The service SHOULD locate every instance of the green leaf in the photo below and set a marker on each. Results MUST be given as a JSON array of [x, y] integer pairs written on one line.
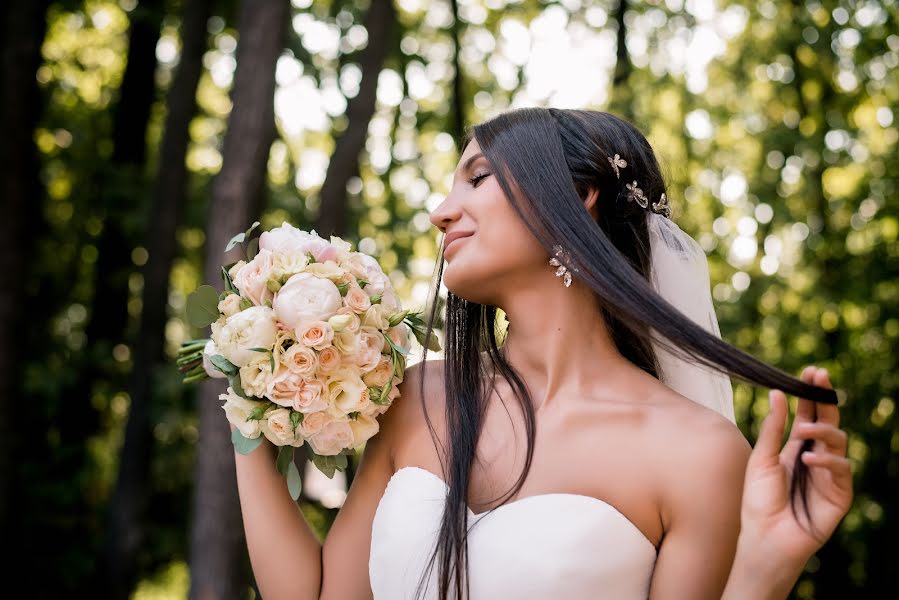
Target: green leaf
[[340, 461], [325, 464], [343, 288], [242, 444], [203, 306], [294, 483], [296, 418], [285, 457], [252, 248], [229, 285], [234, 380], [237, 239], [223, 364], [271, 355], [258, 412], [250, 230]]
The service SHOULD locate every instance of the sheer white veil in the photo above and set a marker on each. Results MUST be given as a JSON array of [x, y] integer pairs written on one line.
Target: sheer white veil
[[680, 274]]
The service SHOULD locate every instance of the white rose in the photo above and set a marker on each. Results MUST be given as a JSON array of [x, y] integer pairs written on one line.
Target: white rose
[[286, 239], [306, 298], [211, 350], [363, 427], [335, 436], [327, 270], [237, 409], [277, 427], [251, 328], [255, 377], [252, 279], [230, 306]]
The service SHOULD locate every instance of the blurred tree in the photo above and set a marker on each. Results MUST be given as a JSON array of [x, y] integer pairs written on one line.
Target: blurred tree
[[217, 546], [22, 29], [127, 509], [379, 24]]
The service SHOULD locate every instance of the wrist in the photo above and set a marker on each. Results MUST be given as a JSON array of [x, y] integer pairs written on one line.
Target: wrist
[[759, 572]]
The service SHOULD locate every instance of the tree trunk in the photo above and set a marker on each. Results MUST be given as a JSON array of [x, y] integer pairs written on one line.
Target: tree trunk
[[23, 32], [345, 160], [620, 93], [217, 548], [125, 530]]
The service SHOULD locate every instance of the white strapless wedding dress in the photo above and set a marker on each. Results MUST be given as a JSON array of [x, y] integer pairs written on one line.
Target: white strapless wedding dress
[[548, 546]]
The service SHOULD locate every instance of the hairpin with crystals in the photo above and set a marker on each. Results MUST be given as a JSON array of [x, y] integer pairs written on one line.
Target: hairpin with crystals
[[617, 162], [635, 194]]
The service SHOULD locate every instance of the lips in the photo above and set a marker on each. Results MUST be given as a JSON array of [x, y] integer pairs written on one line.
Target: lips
[[455, 235]]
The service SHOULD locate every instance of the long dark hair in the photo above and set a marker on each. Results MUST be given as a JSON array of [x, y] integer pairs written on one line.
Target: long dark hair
[[546, 160]]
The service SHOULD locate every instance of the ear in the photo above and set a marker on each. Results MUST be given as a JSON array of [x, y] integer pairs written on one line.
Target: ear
[[590, 202]]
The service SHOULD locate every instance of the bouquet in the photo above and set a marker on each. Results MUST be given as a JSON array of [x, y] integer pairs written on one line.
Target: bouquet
[[312, 340]]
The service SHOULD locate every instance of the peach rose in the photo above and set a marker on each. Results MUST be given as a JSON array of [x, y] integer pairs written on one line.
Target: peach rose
[[381, 374], [346, 391], [317, 334], [300, 360], [276, 426], [252, 277], [357, 300], [329, 359], [335, 436], [313, 423]]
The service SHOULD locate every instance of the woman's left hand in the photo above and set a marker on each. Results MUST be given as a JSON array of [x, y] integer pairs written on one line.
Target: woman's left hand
[[767, 512]]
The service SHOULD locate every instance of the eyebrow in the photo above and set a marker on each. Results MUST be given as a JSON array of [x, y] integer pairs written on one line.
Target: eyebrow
[[470, 160]]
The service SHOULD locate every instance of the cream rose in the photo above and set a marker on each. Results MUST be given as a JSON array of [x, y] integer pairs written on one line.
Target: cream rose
[[363, 427], [347, 342], [230, 305], [381, 374], [329, 359], [232, 272], [237, 410], [276, 426], [327, 270], [286, 265], [357, 300], [346, 391], [374, 317], [255, 377], [305, 298], [313, 423], [336, 435], [317, 334], [354, 323], [210, 349], [253, 327], [251, 279], [300, 360]]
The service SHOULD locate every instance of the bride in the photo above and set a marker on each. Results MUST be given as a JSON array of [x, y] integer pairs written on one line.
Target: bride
[[618, 472]]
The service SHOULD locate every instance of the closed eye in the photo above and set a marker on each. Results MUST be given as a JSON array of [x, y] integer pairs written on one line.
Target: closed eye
[[477, 178]]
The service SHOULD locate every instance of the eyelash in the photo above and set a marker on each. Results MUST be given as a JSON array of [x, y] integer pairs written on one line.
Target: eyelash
[[473, 181]]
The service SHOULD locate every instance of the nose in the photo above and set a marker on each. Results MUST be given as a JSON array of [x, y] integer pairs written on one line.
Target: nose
[[446, 212]]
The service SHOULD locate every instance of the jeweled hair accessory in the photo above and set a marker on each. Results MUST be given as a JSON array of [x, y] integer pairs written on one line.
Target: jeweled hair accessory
[[635, 194]]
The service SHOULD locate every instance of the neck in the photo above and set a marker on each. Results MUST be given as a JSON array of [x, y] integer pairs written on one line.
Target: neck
[[557, 339]]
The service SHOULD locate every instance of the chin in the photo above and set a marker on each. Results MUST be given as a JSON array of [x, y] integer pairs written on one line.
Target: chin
[[467, 283]]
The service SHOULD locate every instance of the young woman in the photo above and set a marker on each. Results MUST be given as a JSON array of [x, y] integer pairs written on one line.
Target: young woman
[[615, 476]]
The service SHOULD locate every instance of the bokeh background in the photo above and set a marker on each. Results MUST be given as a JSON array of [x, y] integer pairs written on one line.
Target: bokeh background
[[139, 135]]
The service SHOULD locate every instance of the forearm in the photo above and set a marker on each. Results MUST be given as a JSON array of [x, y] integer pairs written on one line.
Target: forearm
[[285, 554], [759, 575]]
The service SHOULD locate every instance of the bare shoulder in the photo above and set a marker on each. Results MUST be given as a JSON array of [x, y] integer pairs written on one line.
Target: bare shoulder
[[421, 388], [699, 447]]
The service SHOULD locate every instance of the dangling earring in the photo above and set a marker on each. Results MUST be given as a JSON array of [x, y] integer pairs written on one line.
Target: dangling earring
[[561, 270]]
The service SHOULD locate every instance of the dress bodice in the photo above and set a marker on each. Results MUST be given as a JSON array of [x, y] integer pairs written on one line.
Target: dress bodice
[[558, 545]]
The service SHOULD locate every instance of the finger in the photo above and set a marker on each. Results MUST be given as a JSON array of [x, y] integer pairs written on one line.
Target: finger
[[826, 413], [805, 409], [767, 446], [834, 438], [840, 468]]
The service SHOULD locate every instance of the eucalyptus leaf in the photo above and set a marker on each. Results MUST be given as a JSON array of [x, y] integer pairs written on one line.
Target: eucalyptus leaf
[[252, 248], [234, 380], [237, 239], [203, 306], [285, 458], [242, 444], [223, 364], [294, 483]]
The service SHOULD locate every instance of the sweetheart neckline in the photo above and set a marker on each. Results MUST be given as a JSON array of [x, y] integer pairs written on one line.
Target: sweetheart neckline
[[533, 497]]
